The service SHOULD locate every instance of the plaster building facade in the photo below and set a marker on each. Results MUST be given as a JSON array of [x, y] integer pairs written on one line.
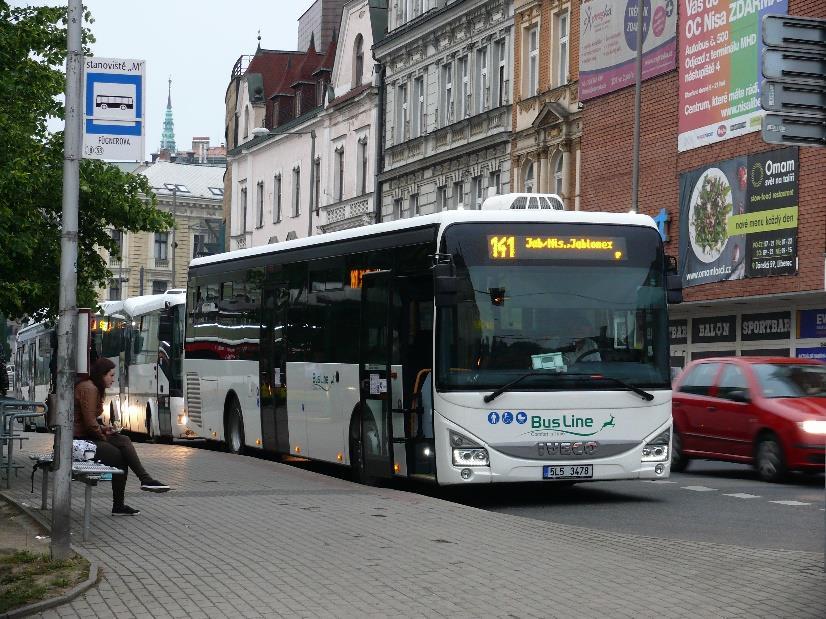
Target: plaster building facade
[[152, 262], [308, 163], [447, 90], [547, 123]]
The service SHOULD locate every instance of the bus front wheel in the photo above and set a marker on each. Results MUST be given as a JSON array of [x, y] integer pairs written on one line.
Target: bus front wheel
[[234, 428]]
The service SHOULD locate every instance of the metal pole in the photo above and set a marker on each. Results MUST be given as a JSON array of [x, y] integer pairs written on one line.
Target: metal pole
[[62, 498], [174, 222], [312, 182], [635, 174]]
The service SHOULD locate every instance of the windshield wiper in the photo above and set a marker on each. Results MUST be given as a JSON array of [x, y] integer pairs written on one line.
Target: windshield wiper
[[640, 392]]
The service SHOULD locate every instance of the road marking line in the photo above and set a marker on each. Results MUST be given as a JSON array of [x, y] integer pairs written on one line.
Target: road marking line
[[790, 502], [743, 495], [660, 481], [700, 488]]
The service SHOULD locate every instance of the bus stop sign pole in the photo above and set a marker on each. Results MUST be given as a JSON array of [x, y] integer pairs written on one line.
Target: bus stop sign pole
[[67, 323]]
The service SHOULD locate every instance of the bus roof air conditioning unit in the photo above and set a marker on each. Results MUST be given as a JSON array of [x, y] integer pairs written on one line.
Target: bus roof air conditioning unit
[[523, 201]]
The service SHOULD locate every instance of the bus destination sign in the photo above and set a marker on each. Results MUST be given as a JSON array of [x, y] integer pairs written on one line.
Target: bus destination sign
[[528, 247]]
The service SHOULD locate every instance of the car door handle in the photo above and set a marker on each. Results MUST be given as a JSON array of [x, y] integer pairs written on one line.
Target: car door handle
[[711, 408]]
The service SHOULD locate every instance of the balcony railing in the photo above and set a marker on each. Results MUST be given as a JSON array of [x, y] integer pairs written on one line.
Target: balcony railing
[[161, 263]]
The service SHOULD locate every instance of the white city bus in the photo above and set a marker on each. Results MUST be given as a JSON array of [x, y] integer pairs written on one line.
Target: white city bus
[[151, 392], [35, 361], [442, 347]]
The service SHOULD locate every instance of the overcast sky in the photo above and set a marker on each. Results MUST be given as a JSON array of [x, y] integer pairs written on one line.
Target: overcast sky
[[195, 41]]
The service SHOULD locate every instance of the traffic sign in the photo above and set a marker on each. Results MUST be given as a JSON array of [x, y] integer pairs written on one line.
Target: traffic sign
[[114, 118], [794, 65], [794, 130]]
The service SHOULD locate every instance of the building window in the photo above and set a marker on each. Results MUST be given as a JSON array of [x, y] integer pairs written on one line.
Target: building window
[[117, 254], [481, 83], [276, 199], [561, 47], [339, 188], [161, 248], [298, 102], [558, 176], [458, 195], [397, 208], [531, 82], [296, 192], [317, 183], [464, 88], [401, 113], [494, 182], [363, 166], [447, 94], [243, 210], [500, 73], [413, 205], [418, 107], [114, 289], [259, 204], [529, 180], [358, 62], [246, 122], [198, 241], [159, 286], [441, 198], [476, 192]]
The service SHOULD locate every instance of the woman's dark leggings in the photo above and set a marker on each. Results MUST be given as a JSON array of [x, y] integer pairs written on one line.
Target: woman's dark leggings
[[119, 452]]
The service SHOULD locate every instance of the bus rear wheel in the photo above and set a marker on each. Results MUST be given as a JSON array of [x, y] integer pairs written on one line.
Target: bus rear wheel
[[234, 429], [359, 474]]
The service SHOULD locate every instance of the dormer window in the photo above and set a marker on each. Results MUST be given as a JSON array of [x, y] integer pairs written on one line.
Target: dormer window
[[298, 102], [358, 61]]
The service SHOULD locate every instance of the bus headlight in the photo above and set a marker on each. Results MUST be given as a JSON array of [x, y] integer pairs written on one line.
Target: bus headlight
[[467, 452], [656, 450]]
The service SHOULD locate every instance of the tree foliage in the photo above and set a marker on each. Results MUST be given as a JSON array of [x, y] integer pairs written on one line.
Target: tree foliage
[[32, 80]]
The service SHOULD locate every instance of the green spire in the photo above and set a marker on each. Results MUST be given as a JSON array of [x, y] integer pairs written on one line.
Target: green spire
[[168, 137]]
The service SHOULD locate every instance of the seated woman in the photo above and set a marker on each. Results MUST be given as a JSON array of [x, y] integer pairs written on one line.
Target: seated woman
[[112, 449]]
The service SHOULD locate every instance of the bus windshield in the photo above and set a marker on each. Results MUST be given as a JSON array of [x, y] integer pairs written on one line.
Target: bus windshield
[[574, 305]]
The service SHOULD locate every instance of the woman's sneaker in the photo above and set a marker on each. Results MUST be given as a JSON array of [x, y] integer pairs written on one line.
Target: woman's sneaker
[[153, 485], [125, 510]]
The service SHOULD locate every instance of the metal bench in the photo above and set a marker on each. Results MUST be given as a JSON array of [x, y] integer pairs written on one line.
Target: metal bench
[[88, 473]]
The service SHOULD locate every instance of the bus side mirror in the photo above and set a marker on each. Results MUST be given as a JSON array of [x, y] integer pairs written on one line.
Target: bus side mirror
[[445, 285]]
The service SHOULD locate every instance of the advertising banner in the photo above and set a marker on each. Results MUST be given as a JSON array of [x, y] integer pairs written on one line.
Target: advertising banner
[[721, 50], [714, 329], [768, 326], [738, 218], [811, 323], [608, 43], [817, 352]]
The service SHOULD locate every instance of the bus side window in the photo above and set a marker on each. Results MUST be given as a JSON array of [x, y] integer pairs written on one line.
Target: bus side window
[[519, 203], [533, 203]]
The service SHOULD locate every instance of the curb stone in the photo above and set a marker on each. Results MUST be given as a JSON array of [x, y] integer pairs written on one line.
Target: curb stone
[[66, 597]]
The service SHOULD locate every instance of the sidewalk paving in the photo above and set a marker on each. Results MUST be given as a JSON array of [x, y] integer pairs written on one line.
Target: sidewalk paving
[[246, 537]]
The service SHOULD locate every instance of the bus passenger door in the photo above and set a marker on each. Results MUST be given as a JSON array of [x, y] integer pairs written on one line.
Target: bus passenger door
[[273, 370], [375, 375], [164, 370]]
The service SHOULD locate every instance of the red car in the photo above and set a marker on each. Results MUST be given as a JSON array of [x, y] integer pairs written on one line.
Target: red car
[[765, 411]]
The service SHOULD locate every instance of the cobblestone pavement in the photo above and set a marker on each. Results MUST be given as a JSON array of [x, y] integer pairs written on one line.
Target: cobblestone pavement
[[247, 537]]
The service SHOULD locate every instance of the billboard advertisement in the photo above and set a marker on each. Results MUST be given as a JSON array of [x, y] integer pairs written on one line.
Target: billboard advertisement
[[738, 218], [608, 43], [721, 49]]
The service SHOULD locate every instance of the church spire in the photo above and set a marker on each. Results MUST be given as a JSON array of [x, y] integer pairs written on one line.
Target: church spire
[[168, 136]]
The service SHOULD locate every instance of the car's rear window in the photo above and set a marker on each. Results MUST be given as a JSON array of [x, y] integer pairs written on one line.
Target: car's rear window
[[782, 380]]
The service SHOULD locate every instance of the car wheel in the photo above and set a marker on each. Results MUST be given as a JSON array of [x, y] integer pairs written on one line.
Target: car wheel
[[679, 461], [769, 460], [234, 429]]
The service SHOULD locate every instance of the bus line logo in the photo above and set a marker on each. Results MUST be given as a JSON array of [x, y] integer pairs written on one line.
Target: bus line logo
[[569, 424], [507, 417]]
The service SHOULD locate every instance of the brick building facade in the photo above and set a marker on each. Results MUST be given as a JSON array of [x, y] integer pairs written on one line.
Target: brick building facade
[[793, 300]]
